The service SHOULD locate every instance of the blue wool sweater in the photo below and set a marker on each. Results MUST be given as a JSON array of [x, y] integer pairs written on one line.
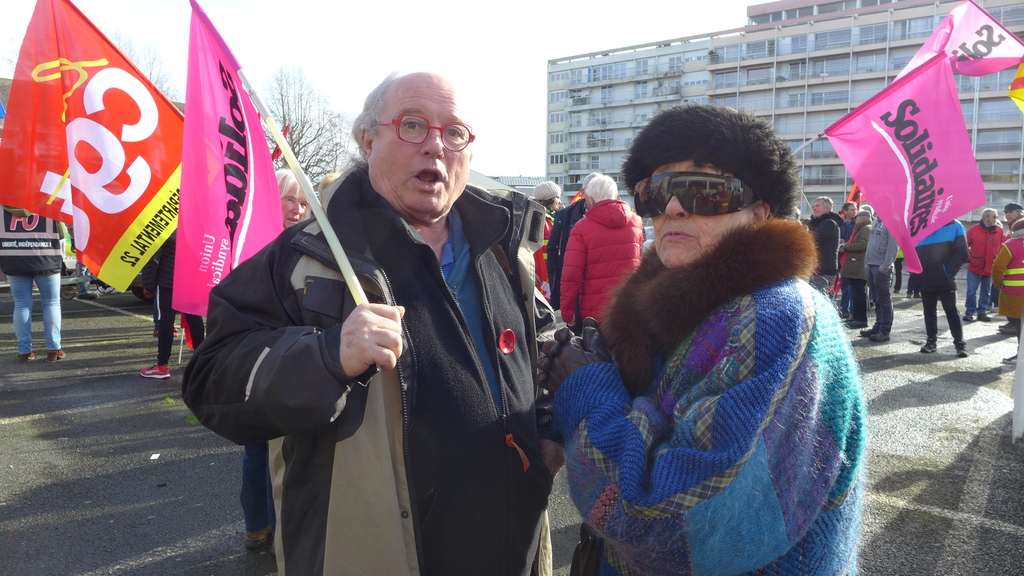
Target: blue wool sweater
[[743, 456]]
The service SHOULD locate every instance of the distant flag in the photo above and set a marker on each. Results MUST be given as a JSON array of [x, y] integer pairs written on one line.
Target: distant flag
[[909, 151], [854, 195], [577, 197], [230, 202], [277, 149], [91, 143], [978, 43], [1017, 88]]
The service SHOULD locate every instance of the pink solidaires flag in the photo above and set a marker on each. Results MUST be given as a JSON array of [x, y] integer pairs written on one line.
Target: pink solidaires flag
[[978, 43], [230, 202], [909, 152]]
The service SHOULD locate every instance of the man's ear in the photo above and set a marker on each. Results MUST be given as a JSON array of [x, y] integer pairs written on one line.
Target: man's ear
[[366, 139]]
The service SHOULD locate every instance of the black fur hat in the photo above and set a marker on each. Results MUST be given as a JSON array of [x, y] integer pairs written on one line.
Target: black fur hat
[[735, 142]]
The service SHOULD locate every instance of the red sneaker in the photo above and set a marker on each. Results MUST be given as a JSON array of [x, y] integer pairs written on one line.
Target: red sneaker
[[156, 371], [54, 355]]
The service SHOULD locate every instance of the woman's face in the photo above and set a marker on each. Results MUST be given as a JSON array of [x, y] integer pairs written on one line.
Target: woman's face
[[680, 238], [293, 206]]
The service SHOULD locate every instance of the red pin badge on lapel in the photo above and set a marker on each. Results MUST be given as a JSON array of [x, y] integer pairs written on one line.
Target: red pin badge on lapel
[[507, 341]]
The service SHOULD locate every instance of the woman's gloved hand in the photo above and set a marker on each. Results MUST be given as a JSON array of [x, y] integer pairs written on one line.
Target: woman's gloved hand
[[568, 353]]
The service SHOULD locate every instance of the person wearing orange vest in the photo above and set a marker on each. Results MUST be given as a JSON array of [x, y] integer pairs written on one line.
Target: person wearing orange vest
[[549, 195], [1008, 276]]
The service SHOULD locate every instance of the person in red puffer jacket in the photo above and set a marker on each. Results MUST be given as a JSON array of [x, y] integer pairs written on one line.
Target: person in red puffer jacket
[[984, 241], [604, 247]]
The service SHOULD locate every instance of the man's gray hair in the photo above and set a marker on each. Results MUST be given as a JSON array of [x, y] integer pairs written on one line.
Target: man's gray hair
[[826, 201], [589, 177], [368, 118], [601, 187]]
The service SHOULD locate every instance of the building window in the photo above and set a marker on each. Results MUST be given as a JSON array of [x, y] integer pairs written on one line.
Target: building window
[[913, 28], [832, 39], [556, 138], [556, 117], [998, 141], [799, 12], [998, 81], [794, 100], [759, 76], [1001, 110], [607, 95], [640, 90], [1008, 15], [872, 34], [575, 119], [601, 117], [577, 76], [675, 63], [792, 45], [837, 6], [836, 66], [999, 170], [761, 49], [554, 159], [558, 76], [870, 63], [726, 79], [831, 97], [556, 96], [968, 110], [641, 67]]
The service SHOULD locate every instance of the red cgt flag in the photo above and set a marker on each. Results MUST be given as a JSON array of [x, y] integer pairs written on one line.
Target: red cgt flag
[[91, 142]]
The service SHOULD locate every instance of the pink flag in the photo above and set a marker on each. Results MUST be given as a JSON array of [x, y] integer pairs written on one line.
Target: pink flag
[[979, 44], [230, 202], [908, 150]]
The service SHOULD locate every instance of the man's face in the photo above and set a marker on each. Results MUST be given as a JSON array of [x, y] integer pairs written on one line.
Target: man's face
[[421, 181], [989, 219], [850, 212], [819, 208], [1012, 215]]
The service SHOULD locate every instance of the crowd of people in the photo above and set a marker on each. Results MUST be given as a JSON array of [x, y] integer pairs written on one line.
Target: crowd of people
[[702, 396], [857, 244]]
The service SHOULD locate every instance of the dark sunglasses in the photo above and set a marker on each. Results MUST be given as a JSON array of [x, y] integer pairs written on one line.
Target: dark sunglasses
[[699, 193]]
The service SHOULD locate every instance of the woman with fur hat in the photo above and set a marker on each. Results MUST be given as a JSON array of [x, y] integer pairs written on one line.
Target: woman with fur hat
[[727, 435]]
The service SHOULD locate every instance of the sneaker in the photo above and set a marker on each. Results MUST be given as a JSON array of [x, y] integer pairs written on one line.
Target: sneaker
[[54, 355], [257, 540], [928, 347], [26, 357], [1007, 329], [854, 324], [984, 318], [108, 290], [869, 332], [1011, 360], [917, 296], [968, 317], [156, 371], [86, 296], [961, 351], [844, 316], [879, 337]]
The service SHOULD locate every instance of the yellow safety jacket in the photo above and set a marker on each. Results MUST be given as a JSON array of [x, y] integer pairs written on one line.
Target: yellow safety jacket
[[1013, 278]]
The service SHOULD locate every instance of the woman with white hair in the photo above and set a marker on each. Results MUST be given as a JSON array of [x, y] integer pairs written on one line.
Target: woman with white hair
[[603, 248], [294, 206]]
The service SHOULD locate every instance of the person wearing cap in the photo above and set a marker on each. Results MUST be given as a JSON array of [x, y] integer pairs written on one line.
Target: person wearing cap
[[722, 428], [878, 260], [854, 271], [549, 195]]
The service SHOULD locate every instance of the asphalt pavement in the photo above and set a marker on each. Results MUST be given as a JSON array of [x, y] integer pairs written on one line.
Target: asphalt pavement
[[104, 472]]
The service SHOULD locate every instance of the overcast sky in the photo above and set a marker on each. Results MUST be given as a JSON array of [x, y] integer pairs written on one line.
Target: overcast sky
[[495, 53]]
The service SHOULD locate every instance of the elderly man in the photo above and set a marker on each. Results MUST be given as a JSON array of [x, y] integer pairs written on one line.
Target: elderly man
[[412, 443], [826, 226], [984, 241]]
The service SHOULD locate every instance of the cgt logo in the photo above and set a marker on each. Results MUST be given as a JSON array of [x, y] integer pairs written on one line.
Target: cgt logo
[[111, 177]]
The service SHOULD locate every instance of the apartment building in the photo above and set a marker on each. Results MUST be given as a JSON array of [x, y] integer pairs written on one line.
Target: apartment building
[[799, 63]]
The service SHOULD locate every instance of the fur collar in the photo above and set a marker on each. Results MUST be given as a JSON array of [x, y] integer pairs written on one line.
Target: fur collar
[[656, 307]]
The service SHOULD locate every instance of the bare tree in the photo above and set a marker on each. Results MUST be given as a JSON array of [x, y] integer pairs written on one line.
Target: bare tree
[[316, 133], [151, 63]]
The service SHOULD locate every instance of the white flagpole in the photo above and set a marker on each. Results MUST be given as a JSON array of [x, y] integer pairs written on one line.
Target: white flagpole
[[314, 203]]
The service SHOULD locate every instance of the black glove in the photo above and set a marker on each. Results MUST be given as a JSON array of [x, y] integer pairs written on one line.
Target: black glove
[[567, 353]]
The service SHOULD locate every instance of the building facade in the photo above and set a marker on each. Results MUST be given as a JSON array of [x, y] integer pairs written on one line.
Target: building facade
[[798, 63]]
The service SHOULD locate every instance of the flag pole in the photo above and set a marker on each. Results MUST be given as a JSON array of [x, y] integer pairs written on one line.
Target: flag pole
[[314, 202], [797, 151]]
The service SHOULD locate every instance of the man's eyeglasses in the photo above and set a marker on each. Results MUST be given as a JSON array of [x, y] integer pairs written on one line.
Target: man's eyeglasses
[[414, 129], [699, 193]]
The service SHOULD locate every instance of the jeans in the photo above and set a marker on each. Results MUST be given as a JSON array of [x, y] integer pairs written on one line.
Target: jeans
[[165, 326], [883, 297], [897, 268], [948, 299], [845, 301], [257, 494], [858, 300], [83, 280], [912, 285], [978, 302], [49, 293]]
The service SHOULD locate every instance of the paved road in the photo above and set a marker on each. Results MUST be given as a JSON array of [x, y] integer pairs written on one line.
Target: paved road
[[102, 472]]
